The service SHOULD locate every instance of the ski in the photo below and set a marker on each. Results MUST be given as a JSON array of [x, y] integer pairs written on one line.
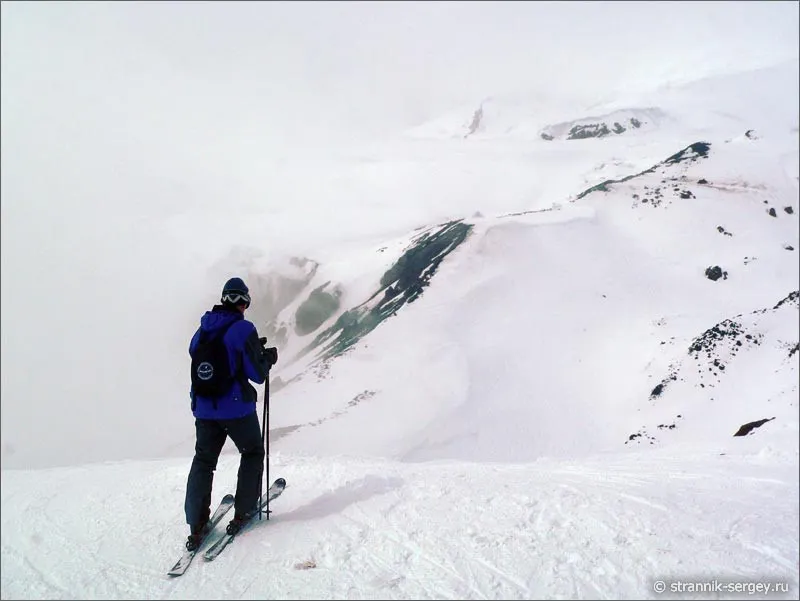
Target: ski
[[273, 493], [183, 563]]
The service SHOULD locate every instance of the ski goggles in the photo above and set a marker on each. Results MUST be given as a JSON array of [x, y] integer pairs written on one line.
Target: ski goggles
[[236, 298]]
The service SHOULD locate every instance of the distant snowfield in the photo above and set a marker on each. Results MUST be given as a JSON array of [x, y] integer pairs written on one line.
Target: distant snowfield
[[553, 417]]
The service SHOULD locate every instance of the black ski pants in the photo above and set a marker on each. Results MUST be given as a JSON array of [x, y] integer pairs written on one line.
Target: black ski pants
[[211, 435]]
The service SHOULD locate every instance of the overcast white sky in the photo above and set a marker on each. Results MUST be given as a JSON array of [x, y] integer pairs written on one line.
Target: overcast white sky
[[190, 99], [229, 80], [116, 115]]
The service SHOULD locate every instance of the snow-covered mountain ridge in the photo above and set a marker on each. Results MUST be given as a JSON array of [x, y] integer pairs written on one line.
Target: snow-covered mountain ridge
[[690, 196]]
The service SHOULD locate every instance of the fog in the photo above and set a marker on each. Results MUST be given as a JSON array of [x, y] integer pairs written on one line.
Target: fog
[[142, 141]]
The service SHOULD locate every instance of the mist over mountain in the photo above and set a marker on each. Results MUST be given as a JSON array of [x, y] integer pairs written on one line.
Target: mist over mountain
[[532, 271]]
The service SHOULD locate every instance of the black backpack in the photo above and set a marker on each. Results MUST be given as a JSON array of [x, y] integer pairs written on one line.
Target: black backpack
[[211, 374]]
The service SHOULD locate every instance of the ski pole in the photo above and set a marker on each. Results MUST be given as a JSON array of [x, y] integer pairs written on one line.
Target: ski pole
[[265, 441]]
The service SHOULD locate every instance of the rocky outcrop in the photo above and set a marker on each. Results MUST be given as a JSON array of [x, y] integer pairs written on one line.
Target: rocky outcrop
[[316, 309], [690, 154], [609, 125], [477, 119], [715, 273], [402, 283], [710, 356], [750, 426]]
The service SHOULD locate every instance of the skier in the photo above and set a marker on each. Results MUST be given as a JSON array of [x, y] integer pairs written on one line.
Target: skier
[[231, 413]]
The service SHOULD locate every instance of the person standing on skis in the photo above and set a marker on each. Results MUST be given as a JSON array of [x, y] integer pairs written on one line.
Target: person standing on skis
[[227, 354]]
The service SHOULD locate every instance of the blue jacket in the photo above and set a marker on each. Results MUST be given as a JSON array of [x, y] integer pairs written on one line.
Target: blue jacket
[[246, 360]]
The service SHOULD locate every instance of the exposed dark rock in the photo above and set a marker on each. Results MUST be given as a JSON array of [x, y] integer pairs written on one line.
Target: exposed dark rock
[[601, 187], [748, 427], [686, 194], [788, 247], [654, 197], [720, 344], [531, 212], [367, 394], [709, 339], [635, 122], [791, 298], [416, 266], [402, 283], [789, 210], [715, 273], [640, 437], [592, 130], [702, 181], [546, 136], [690, 153], [315, 310], [659, 389], [477, 117], [618, 129], [772, 212], [283, 290], [751, 134], [722, 231]]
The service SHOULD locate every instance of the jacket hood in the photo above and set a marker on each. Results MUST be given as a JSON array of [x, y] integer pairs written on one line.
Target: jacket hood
[[218, 318]]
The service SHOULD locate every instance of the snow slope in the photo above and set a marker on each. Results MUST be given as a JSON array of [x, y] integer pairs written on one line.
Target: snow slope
[[347, 527], [549, 417], [609, 288]]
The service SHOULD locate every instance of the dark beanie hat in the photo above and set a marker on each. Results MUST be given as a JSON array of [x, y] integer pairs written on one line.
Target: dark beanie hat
[[235, 285]]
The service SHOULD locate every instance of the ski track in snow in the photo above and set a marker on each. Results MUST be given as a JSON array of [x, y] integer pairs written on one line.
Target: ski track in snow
[[379, 529]]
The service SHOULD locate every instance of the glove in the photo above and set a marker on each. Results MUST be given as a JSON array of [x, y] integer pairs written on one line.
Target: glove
[[271, 355]]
